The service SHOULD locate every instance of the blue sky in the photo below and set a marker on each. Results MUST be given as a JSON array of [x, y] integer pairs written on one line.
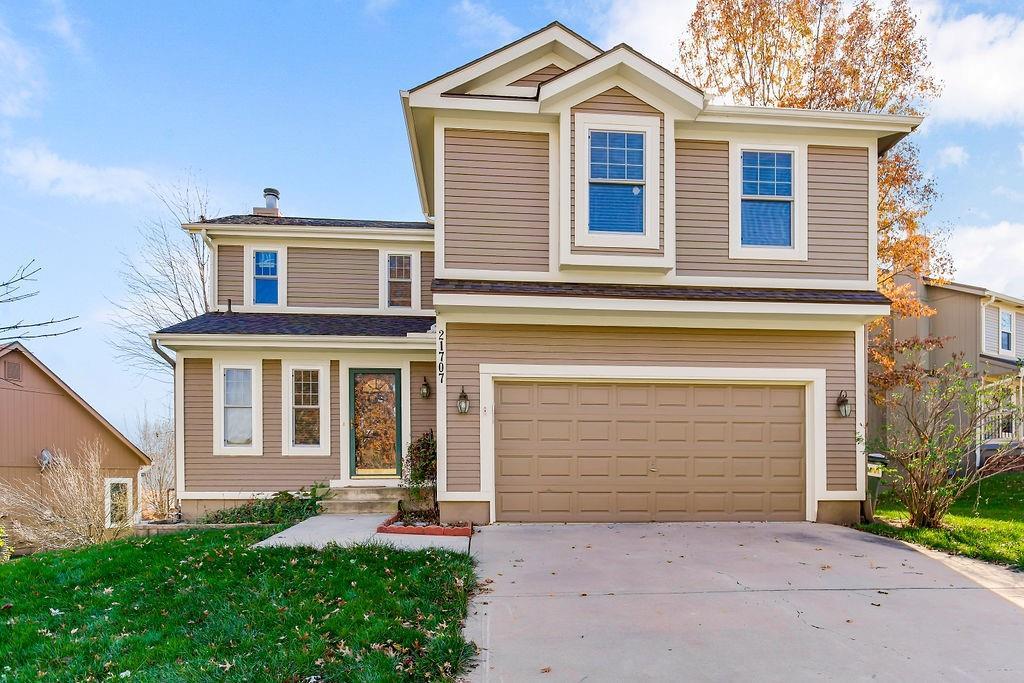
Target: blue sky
[[101, 100]]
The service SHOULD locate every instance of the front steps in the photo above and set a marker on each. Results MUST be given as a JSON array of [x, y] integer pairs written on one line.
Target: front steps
[[352, 500]]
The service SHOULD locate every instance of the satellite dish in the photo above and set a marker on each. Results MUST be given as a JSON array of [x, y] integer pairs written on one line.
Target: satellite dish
[[45, 458]]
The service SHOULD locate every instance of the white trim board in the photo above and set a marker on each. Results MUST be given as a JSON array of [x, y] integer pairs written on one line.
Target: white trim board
[[815, 422]]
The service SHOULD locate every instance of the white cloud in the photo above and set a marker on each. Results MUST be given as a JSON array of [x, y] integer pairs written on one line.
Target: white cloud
[[45, 172], [21, 80], [378, 6], [978, 57], [63, 26], [1020, 148], [953, 155], [990, 256], [477, 23], [654, 27], [1008, 193]]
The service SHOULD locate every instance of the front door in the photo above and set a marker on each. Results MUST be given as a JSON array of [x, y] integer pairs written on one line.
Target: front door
[[376, 419]]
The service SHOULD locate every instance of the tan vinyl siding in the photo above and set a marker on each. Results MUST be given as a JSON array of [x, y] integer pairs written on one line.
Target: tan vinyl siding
[[268, 472], [426, 280], [230, 274], [338, 278], [496, 200], [991, 329], [956, 318], [541, 75], [423, 413], [616, 101], [837, 215], [1018, 335], [469, 345]]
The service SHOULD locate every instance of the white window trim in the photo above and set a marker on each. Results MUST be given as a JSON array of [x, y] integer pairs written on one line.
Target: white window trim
[[248, 289], [737, 250], [256, 448], [1012, 351], [384, 274], [288, 447], [107, 481], [650, 126]]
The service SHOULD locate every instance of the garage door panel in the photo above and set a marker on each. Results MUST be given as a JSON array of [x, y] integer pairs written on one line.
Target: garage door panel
[[654, 451]]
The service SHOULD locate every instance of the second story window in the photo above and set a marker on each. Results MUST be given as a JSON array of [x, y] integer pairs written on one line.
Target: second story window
[[767, 199], [265, 277], [616, 190], [400, 280], [1006, 331]]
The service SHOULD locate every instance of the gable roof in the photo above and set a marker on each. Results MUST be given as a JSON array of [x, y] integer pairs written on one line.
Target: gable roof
[[18, 346], [977, 290]]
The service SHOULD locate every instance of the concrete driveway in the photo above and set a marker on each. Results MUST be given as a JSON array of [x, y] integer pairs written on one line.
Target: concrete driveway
[[731, 601]]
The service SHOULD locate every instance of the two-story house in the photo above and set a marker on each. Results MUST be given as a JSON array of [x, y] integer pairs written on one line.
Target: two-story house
[[625, 304]]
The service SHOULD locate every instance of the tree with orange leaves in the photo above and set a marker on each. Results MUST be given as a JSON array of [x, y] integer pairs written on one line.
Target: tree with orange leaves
[[810, 54]]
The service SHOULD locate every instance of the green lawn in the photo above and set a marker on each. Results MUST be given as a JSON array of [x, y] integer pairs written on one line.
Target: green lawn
[[204, 606], [989, 528]]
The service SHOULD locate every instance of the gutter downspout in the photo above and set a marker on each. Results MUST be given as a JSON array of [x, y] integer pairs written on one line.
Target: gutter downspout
[[160, 352]]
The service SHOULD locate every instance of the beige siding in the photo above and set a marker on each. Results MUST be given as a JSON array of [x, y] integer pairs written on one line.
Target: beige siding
[[957, 318], [268, 472], [423, 413], [426, 280], [837, 215], [539, 76], [230, 274], [616, 101], [342, 278], [469, 345], [496, 200], [991, 329]]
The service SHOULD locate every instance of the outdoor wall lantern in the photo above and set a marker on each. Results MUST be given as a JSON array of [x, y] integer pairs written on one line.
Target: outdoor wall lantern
[[463, 403], [424, 389], [843, 404]]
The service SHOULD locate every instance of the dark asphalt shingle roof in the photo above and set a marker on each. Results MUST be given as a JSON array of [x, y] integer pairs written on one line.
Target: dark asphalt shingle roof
[[681, 293], [304, 323], [249, 219]]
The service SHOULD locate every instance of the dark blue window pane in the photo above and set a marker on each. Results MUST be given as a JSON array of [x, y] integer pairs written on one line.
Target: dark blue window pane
[[783, 190], [616, 208], [617, 150], [766, 174], [616, 156], [766, 223], [783, 175], [750, 158], [617, 171], [599, 155], [772, 171], [635, 157], [598, 139], [598, 170], [749, 188], [784, 160], [265, 263], [634, 172], [617, 140], [635, 140], [750, 172], [265, 291]]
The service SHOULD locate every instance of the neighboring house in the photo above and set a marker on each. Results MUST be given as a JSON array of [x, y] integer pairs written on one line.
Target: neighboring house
[[981, 327], [626, 304], [40, 416]]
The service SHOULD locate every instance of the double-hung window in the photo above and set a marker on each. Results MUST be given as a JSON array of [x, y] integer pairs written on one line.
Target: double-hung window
[[237, 419], [264, 277], [117, 499], [617, 183], [305, 407], [400, 280], [766, 201], [1005, 331]]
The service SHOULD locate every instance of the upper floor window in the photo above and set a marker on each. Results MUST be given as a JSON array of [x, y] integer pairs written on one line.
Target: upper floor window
[[264, 277], [238, 422], [1006, 331], [616, 193], [400, 280], [767, 199]]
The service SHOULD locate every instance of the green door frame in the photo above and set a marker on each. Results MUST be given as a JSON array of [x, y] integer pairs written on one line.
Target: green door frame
[[352, 372]]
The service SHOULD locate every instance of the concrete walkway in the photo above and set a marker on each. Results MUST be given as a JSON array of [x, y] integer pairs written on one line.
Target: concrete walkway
[[319, 531], [713, 602]]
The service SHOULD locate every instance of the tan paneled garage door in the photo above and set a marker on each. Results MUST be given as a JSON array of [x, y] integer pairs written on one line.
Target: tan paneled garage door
[[588, 452]]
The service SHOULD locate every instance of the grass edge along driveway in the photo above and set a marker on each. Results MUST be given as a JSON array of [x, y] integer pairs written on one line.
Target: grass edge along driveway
[[204, 605], [987, 523]]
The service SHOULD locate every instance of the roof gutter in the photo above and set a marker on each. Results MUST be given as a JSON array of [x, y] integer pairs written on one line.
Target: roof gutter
[[163, 354]]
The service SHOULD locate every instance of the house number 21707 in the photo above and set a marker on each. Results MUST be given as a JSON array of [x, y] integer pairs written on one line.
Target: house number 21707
[[440, 356]]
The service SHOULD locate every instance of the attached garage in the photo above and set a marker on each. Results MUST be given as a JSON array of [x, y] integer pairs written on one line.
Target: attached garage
[[594, 451]]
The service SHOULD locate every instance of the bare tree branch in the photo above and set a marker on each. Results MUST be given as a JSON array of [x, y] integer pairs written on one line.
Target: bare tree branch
[[12, 291]]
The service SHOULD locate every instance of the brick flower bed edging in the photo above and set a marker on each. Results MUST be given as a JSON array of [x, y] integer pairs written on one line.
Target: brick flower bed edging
[[386, 527]]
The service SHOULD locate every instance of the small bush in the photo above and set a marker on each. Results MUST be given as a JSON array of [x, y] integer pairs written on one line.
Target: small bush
[[284, 507], [422, 459], [5, 546]]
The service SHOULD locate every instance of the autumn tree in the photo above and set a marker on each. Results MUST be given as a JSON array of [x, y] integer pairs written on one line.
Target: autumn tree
[[815, 54]]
